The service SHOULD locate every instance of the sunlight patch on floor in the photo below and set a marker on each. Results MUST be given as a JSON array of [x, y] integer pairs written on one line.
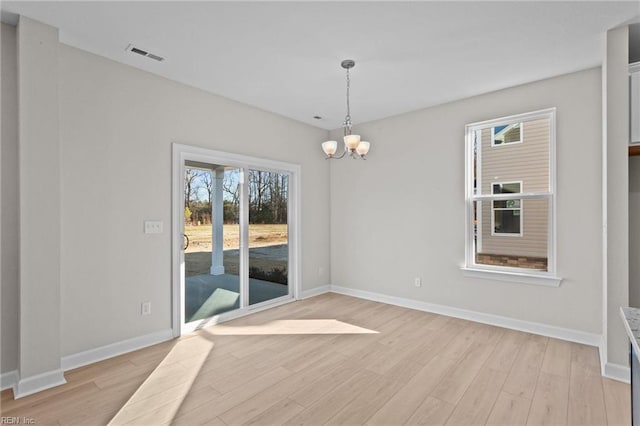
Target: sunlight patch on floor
[[300, 326], [159, 398]]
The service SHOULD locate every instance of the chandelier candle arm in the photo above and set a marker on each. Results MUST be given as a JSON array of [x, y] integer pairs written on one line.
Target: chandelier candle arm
[[352, 143]]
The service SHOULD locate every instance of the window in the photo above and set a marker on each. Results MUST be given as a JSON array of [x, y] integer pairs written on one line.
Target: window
[[506, 214], [510, 189], [506, 134]]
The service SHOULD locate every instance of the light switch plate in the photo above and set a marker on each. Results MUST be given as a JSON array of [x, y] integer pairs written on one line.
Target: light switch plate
[[152, 227]]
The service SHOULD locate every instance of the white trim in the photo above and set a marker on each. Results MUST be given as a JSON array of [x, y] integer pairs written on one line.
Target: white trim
[[38, 383], [470, 229], [570, 335], [478, 213], [8, 379], [294, 231], [552, 235], [634, 67], [177, 240], [604, 353], [523, 195], [315, 292], [182, 153], [90, 356], [617, 372], [515, 275], [243, 240]]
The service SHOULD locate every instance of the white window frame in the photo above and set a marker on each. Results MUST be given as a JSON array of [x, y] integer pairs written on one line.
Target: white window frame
[[244, 163], [493, 136], [493, 210], [505, 273]]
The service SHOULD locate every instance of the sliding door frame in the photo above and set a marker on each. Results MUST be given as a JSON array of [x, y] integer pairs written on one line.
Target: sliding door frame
[[182, 153]]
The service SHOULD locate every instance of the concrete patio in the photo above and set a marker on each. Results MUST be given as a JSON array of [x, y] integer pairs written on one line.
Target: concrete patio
[[208, 295]]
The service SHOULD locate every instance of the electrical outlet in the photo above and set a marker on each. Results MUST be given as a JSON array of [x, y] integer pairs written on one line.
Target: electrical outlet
[[145, 308], [152, 227], [417, 281]]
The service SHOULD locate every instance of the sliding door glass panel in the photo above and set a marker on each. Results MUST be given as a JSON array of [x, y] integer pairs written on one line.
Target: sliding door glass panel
[[268, 235], [212, 230]]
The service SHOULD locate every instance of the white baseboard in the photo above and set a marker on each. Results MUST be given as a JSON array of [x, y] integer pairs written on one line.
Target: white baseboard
[[305, 294], [618, 372], [70, 362], [37, 383], [40, 382], [500, 321], [8, 379]]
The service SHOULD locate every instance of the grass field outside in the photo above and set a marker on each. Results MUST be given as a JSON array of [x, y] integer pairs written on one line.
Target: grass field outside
[[260, 235], [198, 254]]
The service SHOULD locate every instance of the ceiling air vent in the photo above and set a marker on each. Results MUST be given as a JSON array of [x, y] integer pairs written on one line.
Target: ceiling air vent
[[143, 52]]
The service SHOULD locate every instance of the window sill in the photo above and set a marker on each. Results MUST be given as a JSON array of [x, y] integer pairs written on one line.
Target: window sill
[[514, 277]]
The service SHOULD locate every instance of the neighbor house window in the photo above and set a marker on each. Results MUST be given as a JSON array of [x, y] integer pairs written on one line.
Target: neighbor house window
[[506, 214], [505, 134], [511, 194]]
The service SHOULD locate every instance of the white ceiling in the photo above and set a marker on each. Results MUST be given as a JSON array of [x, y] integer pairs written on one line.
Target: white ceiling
[[285, 56]]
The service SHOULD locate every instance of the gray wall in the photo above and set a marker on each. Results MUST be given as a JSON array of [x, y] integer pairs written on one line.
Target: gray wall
[[116, 127], [10, 202], [401, 213], [117, 124], [616, 224], [39, 171]]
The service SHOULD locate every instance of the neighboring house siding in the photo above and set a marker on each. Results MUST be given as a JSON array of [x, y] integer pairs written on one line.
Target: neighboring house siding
[[527, 162]]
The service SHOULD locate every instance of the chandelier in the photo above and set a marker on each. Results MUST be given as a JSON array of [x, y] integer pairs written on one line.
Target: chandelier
[[352, 143]]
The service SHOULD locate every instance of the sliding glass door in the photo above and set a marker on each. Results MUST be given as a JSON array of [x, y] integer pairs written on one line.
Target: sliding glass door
[[268, 235], [235, 242], [212, 240]]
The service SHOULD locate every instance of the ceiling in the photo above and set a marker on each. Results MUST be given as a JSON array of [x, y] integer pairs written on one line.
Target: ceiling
[[285, 57]]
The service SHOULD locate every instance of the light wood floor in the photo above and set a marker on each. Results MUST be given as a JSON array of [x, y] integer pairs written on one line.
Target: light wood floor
[[334, 359]]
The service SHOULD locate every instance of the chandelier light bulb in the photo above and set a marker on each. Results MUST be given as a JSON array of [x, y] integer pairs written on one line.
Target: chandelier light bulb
[[363, 148], [352, 141], [330, 148]]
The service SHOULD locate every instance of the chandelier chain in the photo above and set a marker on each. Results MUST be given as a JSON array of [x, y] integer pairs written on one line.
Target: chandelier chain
[[347, 118]]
